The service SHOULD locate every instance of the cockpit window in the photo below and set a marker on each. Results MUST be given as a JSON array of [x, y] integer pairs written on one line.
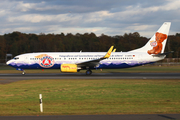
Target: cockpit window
[[16, 58]]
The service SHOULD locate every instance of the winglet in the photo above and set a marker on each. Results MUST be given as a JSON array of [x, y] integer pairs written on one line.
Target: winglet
[[114, 50], [108, 54]]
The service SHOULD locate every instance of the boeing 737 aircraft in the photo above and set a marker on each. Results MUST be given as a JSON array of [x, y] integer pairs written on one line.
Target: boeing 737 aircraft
[[75, 61]]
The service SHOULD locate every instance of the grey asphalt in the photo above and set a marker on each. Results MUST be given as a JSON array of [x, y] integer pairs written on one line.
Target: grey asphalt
[[7, 78]]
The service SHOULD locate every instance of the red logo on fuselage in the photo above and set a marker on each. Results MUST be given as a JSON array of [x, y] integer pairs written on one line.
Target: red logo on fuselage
[[46, 62]]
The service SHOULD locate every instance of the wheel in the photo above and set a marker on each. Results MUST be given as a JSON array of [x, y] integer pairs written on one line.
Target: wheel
[[23, 73], [88, 72]]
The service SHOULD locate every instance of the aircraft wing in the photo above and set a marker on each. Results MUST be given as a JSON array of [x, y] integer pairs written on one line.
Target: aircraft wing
[[93, 63]]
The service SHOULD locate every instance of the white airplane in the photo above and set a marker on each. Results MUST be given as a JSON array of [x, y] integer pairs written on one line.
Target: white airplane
[[75, 61]]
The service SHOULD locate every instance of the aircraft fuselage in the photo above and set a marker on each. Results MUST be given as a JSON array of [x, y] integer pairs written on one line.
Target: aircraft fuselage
[[54, 60]]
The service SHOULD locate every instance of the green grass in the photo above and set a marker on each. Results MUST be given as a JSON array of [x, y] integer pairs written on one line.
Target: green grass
[[83, 97], [146, 68]]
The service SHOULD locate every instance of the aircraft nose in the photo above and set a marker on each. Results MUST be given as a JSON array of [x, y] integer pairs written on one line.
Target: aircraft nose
[[8, 62]]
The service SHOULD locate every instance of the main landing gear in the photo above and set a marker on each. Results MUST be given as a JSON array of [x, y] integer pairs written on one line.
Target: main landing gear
[[88, 72]]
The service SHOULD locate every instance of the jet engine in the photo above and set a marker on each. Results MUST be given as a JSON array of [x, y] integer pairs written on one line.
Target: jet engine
[[69, 68]]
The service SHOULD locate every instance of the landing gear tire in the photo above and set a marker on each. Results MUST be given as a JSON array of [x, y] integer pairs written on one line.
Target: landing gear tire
[[23, 73], [88, 72]]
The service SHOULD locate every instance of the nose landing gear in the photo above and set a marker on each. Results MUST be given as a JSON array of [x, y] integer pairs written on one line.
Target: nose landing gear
[[23, 72]]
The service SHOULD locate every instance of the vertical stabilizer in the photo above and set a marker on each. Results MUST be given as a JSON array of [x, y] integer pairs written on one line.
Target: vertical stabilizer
[[157, 43]]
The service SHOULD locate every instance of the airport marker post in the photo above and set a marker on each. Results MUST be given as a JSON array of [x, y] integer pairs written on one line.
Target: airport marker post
[[40, 101]]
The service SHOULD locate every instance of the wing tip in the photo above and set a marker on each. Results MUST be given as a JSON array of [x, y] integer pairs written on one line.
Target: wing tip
[[108, 54]]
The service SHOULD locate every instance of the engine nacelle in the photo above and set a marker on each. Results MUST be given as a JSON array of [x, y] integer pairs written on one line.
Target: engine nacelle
[[69, 68]]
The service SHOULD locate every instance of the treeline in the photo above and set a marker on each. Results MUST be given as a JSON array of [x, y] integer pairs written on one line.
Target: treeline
[[18, 43]]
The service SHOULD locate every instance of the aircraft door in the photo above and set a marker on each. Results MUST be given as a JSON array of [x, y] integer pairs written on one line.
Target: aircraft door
[[26, 59], [140, 56]]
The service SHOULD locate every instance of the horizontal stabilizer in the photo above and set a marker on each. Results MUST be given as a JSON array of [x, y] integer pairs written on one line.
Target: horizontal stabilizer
[[166, 53]]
